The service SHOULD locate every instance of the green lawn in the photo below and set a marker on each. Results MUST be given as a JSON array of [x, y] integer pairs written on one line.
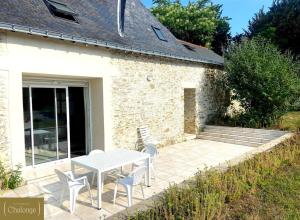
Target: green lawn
[[264, 187], [290, 121]]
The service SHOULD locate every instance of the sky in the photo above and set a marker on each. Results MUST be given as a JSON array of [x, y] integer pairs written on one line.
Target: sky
[[240, 11]]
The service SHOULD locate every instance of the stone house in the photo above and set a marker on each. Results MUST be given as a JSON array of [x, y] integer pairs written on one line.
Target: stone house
[[77, 75]]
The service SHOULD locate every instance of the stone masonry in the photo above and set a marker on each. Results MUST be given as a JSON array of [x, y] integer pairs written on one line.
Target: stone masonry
[[4, 145], [5, 152], [149, 91]]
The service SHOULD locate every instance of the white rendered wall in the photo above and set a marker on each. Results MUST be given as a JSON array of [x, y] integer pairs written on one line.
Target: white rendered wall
[[22, 55]]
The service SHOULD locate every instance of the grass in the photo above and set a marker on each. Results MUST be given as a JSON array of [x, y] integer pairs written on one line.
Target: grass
[[290, 121], [264, 187], [276, 197]]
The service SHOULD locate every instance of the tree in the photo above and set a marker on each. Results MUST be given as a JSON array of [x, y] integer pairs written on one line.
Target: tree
[[280, 24], [221, 36], [199, 22], [262, 79]]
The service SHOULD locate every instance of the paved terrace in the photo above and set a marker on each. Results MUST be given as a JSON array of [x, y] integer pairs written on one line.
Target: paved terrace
[[174, 164]]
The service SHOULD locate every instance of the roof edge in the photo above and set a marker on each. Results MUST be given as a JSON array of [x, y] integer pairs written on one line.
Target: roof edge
[[95, 42]]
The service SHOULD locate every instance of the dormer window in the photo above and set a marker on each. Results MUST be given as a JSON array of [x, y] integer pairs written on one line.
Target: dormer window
[[189, 47], [61, 10], [159, 34]]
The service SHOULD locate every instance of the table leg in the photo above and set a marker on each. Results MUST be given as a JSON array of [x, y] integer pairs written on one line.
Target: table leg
[[99, 190], [148, 177]]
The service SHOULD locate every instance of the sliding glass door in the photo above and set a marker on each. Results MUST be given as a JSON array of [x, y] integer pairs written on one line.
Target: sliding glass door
[[54, 126], [62, 123], [77, 121], [44, 125]]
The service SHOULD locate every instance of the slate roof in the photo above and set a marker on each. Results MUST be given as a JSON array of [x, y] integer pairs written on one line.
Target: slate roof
[[97, 25]]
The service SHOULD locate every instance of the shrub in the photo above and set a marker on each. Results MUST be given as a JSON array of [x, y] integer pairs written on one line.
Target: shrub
[[15, 178], [296, 105], [10, 179], [264, 81]]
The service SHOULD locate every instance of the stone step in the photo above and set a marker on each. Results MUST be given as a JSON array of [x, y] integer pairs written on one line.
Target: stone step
[[250, 134], [242, 136], [230, 141], [221, 133], [250, 131], [237, 135], [242, 128]]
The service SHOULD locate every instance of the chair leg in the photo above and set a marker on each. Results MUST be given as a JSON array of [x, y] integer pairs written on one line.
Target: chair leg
[[115, 192], [129, 195], [90, 193], [74, 201], [71, 202], [142, 191], [62, 196]]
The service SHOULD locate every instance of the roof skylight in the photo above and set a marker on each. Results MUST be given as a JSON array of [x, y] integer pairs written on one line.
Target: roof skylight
[[189, 47], [61, 10], [159, 34]]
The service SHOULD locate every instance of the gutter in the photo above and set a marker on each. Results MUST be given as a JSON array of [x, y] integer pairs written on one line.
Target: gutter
[[94, 42]]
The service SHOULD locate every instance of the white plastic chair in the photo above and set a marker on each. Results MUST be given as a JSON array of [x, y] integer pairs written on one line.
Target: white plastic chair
[[69, 183], [152, 150], [145, 136], [136, 177]]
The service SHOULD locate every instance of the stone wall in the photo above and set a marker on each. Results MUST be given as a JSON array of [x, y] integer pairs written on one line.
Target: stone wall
[[189, 111], [150, 91], [5, 151]]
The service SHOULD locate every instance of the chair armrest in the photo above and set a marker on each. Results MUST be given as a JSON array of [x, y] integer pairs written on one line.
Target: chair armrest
[[70, 174], [83, 179]]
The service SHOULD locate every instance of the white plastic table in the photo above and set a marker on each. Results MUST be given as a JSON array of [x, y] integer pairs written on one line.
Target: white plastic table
[[110, 160]]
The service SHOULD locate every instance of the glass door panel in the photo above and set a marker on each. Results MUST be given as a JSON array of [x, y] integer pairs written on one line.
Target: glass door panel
[[77, 121], [62, 123], [44, 125]]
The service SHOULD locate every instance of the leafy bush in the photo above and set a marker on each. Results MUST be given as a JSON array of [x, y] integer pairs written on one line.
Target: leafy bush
[[10, 179], [15, 178], [264, 81], [296, 105], [210, 194]]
